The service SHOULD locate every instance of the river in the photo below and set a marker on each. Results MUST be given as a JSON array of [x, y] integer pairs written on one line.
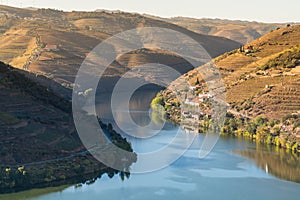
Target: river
[[235, 169]]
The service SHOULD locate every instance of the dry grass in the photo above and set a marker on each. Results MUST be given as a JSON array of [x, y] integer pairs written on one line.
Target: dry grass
[[80, 33], [19, 61], [253, 87], [283, 99], [272, 93], [14, 43], [240, 31]]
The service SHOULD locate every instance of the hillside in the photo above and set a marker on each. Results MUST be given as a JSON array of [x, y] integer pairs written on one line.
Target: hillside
[[39, 142], [262, 81], [55, 43], [240, 31]]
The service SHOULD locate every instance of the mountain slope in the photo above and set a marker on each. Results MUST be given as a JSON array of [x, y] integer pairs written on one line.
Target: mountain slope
[[55, 43], [262, 81], [264, 68], [39, 143], [240, 31]]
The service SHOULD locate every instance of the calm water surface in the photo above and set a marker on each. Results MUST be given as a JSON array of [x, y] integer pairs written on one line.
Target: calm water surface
[[235, 169]]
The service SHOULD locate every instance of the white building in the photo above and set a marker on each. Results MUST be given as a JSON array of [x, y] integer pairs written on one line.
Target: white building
[[192, 102], [204, 97]]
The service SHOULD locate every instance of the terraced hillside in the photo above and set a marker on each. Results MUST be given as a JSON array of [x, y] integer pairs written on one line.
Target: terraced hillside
[[55, 43], [272, 73], [262, 81], [38, 140], [265, 72]]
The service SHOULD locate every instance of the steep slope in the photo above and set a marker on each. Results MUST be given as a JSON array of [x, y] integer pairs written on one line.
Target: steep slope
[[55, 43], [263, 69], [271, 69], [262, 82], [39, 142]]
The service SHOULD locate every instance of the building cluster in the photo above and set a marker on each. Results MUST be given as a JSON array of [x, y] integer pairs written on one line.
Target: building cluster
[[191, 115], [196, 101]]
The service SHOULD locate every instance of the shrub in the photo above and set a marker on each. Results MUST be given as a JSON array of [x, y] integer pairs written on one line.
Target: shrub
[[288, 59]]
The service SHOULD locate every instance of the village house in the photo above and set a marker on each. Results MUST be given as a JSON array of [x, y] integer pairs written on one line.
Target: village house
[[192, 101], [204, 97], [200, 99], [196, 87], [191, 88]]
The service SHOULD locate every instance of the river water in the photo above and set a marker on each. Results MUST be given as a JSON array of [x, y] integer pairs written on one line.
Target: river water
[[235, 169]]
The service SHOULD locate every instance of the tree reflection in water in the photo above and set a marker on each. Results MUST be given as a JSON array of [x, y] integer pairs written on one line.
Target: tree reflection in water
[[277, 161]]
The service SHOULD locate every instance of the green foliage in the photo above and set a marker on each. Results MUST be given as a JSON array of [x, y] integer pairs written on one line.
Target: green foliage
[[87, 92], [295, 147], [159, 114], [159, 109], [262, 134], [68, 145], [115, 137], [49, 135], [259, 121], [8, 119], [245, 105], [50, 170], [158, 100], [251, 128], [287, 59], [262, 130], [197, 81]]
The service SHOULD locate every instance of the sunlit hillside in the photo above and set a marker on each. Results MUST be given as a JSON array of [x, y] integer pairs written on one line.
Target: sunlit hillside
[[55, 43]]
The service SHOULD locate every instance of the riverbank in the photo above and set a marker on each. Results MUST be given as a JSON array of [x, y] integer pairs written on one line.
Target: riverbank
[[189, 177], [67, 172], [76, 168], [39, 144], [282, 133]]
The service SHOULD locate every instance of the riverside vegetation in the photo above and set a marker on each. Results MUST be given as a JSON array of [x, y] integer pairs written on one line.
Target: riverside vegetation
[[39, 143], [262, 81]]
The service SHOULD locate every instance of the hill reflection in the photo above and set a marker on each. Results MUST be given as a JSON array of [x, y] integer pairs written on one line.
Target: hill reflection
[[278, 162]]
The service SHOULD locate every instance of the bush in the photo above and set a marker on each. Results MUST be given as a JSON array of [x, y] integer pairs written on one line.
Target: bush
[[288, 59], [158, 100]]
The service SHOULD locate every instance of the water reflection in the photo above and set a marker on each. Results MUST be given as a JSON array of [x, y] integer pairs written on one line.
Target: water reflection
[[272, 160], [32, 193], [222, 174], [139, 103], [191, 178], [276, 161]]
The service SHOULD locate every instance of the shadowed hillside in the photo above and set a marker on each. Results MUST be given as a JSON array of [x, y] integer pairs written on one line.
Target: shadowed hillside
[[39, 142]]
